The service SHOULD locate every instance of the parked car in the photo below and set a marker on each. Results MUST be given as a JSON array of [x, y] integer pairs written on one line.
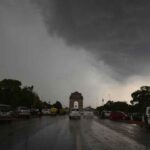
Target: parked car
[[74, 114], [136, 116], [118, 115], [105, 114], [5, 113], [53, 111], [45, 111], [34, 111], [147, 117], [23, 112]]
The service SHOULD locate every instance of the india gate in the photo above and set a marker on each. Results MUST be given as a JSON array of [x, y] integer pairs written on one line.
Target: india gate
[[76, 101]]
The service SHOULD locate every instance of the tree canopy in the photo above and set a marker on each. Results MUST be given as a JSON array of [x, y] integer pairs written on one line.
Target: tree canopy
[[57, 105], [141, 98], [13, 94], [115, 106]]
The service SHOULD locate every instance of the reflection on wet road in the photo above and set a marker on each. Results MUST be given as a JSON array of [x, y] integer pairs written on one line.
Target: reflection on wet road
[[55, 133]]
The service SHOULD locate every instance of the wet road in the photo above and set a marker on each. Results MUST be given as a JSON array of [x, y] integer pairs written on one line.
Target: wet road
[[60, 133]]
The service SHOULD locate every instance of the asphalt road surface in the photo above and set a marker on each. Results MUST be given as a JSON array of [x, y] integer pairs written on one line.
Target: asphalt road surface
[[60, 133]]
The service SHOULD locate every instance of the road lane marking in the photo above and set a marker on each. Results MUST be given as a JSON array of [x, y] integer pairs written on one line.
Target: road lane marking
[[78, 141]]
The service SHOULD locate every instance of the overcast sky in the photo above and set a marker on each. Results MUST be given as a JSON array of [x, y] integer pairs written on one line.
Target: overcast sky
[[100, 48]]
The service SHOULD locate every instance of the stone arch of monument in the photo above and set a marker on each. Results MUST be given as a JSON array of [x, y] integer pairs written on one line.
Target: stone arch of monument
[[76, 100]]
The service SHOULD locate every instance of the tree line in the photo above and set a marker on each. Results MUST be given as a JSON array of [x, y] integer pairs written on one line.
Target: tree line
[[13, 93], [140, 100]]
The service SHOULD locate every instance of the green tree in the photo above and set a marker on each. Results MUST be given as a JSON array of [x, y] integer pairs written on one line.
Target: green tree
[[115, 106], [13, 94], [10, 91], [27, 97], [141, 98], [46, 105], [57, 105]]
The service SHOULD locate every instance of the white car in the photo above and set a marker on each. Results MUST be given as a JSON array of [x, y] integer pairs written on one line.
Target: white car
[[46, 111], [23, 112], [5, 113], [105, 114], [75, 114], [88, 114]]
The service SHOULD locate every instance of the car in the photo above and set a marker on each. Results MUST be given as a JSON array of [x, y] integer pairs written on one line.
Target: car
[[75, 114], [118, 115], [34, 111], [105, 114], [46, 111], [147, 117], [53, 111], [5, 113], [88, 114], [23, 112]]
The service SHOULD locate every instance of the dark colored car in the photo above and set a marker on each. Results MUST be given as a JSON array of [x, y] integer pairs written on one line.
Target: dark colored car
[[118, 116]]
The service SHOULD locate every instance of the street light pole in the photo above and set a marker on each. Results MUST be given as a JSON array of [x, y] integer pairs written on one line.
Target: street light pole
[[102, 101]]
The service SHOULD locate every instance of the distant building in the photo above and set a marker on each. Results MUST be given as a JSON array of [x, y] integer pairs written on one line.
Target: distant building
[[76, 101]]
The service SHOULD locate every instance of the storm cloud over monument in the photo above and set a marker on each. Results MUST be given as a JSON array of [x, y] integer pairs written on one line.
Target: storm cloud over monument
[[97, 47], [117, 32]]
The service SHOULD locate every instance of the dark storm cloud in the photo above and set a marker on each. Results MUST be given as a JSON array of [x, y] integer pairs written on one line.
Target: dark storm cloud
[[116, 31]]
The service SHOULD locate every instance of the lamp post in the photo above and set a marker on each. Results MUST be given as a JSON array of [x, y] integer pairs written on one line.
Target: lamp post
[[102, 101]]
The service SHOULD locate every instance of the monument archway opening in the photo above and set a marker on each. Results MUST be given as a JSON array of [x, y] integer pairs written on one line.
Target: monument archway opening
[[76, 105], [76, 101]]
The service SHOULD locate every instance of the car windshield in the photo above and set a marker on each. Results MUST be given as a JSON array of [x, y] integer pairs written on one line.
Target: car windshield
[[74, 74]]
